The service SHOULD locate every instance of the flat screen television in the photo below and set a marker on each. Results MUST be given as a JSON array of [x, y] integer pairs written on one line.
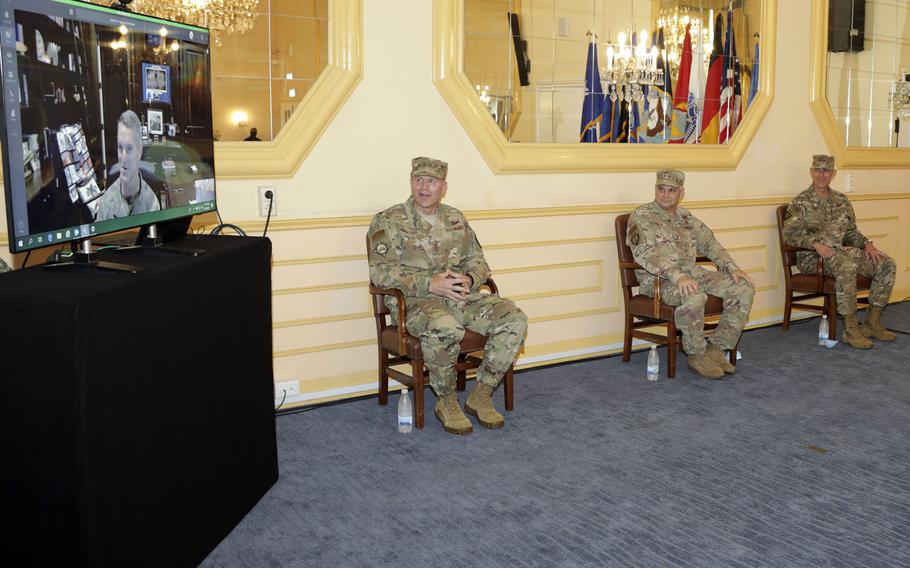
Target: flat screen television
[[107, 121]]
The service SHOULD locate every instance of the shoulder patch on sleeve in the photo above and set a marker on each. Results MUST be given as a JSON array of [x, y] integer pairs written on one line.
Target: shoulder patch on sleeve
[[788, 214], [634, 236]]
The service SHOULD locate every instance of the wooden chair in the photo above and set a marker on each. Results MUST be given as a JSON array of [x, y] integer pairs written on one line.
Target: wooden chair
[[645, 311], [397, 346], [801, 287]]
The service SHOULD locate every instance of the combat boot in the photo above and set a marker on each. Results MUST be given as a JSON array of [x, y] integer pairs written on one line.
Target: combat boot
[[716, 355], [873, 327], [853, 335], [480, 404], [449, 413], [705, 367]]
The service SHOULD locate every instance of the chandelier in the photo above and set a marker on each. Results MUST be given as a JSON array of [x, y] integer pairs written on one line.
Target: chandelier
[[674, 19], [219, 16], [900, 97], [629, 67]]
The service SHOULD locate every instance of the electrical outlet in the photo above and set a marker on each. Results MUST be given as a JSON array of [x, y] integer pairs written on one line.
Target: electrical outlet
[[284, 389], [264, 200]]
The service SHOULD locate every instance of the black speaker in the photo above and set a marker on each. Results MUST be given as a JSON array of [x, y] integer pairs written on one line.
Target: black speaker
[[846, 25], [521, 51]]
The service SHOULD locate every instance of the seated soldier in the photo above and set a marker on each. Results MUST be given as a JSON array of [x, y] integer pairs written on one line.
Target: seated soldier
[[429, 252], [822, 220], [665, 240]]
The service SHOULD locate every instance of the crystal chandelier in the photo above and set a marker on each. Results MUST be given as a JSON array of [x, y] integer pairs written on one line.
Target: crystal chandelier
[[900, 97], [674, 19], [630, 67], [220, 16]]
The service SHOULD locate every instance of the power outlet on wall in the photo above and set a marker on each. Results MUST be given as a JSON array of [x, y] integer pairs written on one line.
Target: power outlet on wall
[[264, 200], [285, 389]]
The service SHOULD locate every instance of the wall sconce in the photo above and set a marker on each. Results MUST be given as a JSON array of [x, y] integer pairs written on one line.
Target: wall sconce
[[240, 118]]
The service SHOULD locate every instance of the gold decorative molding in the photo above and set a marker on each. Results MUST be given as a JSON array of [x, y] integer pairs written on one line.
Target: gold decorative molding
[[845, 156], [509, 157], [281, 157]]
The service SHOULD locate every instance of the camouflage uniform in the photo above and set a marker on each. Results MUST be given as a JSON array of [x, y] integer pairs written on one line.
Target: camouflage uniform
[[832, 222], [406, 251], [666, 245], [3, 266]]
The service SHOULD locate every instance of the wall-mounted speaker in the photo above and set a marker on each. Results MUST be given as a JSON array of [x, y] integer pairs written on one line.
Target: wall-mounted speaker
[[846, 25]]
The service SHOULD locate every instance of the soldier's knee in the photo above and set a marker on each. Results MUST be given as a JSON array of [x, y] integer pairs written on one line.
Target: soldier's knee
[[446, 329], [697, 299]]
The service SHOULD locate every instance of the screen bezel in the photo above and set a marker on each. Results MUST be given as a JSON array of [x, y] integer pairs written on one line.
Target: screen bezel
[[138, 24]]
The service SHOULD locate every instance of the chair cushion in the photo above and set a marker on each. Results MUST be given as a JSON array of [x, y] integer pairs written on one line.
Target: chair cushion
[[807, 283], [641, 305], [470, 342]]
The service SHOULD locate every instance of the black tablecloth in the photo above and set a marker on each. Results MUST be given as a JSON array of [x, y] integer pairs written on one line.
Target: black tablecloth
[[136, 410]]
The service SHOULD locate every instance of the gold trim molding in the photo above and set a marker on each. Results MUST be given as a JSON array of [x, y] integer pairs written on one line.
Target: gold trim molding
[[846, 156], [280, 158], [511, 157]]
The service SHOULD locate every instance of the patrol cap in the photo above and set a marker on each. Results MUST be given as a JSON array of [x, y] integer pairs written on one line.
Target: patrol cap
[[822, 162], [423, 166], [672, 178]]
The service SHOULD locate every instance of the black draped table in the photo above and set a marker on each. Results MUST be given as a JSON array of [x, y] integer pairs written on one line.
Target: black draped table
[[136, 410]]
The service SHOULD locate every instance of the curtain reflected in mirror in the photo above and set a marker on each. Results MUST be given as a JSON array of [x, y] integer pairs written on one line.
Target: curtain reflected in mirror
[[614, 71], [868, 71]]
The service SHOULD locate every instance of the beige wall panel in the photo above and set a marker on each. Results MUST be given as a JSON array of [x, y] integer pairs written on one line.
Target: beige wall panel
[[289, 339], [313, 243], [305, 274], [319, 301]]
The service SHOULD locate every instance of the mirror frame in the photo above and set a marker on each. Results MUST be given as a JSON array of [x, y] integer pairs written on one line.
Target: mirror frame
[[280, 158], [512, 157], [845, 156]]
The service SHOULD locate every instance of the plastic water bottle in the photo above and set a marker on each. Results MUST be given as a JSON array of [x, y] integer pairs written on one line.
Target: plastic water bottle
[[823, 330], [405, 412], [653, 364]]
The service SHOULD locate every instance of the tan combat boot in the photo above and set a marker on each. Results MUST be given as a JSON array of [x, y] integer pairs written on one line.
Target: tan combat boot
[[873, 327], [853, 334], [705, 367], [480, 404], [716, 355], [449, 413]]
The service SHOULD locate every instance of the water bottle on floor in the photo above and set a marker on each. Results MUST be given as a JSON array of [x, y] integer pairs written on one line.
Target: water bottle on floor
[[823, 330], [653, 364], [405, 412]]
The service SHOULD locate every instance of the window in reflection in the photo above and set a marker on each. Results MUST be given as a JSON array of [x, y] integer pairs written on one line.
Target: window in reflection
[[868, 77], [614, 71]]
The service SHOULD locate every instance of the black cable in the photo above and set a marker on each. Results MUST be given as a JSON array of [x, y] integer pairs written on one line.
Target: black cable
[[268, 216], [24, 262], [217, 230], [284, 397]]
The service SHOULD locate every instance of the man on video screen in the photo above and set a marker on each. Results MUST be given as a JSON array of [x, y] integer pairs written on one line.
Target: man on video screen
[[129, 194]]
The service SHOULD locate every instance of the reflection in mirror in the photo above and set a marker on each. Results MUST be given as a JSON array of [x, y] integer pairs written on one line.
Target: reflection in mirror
[[617, 71], [265, 56], [868, 71]]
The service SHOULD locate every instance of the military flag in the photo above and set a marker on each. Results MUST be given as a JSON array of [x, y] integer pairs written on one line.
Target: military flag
[[711, 109], [592, 107], [685, 100], [659, 100], [753, 83], [731, 93], [615, 126]]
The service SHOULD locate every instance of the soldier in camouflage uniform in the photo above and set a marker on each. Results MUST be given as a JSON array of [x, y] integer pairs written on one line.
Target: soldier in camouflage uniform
[[822, 219], [429, 252], [665, 240]]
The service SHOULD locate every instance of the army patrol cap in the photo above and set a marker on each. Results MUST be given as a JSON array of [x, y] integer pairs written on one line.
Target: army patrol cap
[[671, 178], [822, 162], [424, 166]]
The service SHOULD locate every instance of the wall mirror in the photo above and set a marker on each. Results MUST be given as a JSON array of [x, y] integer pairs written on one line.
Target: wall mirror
[[861, 79], [549, 84], [272, 62]]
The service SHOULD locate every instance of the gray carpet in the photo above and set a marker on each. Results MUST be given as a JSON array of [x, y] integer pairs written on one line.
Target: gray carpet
[[801, 459]]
